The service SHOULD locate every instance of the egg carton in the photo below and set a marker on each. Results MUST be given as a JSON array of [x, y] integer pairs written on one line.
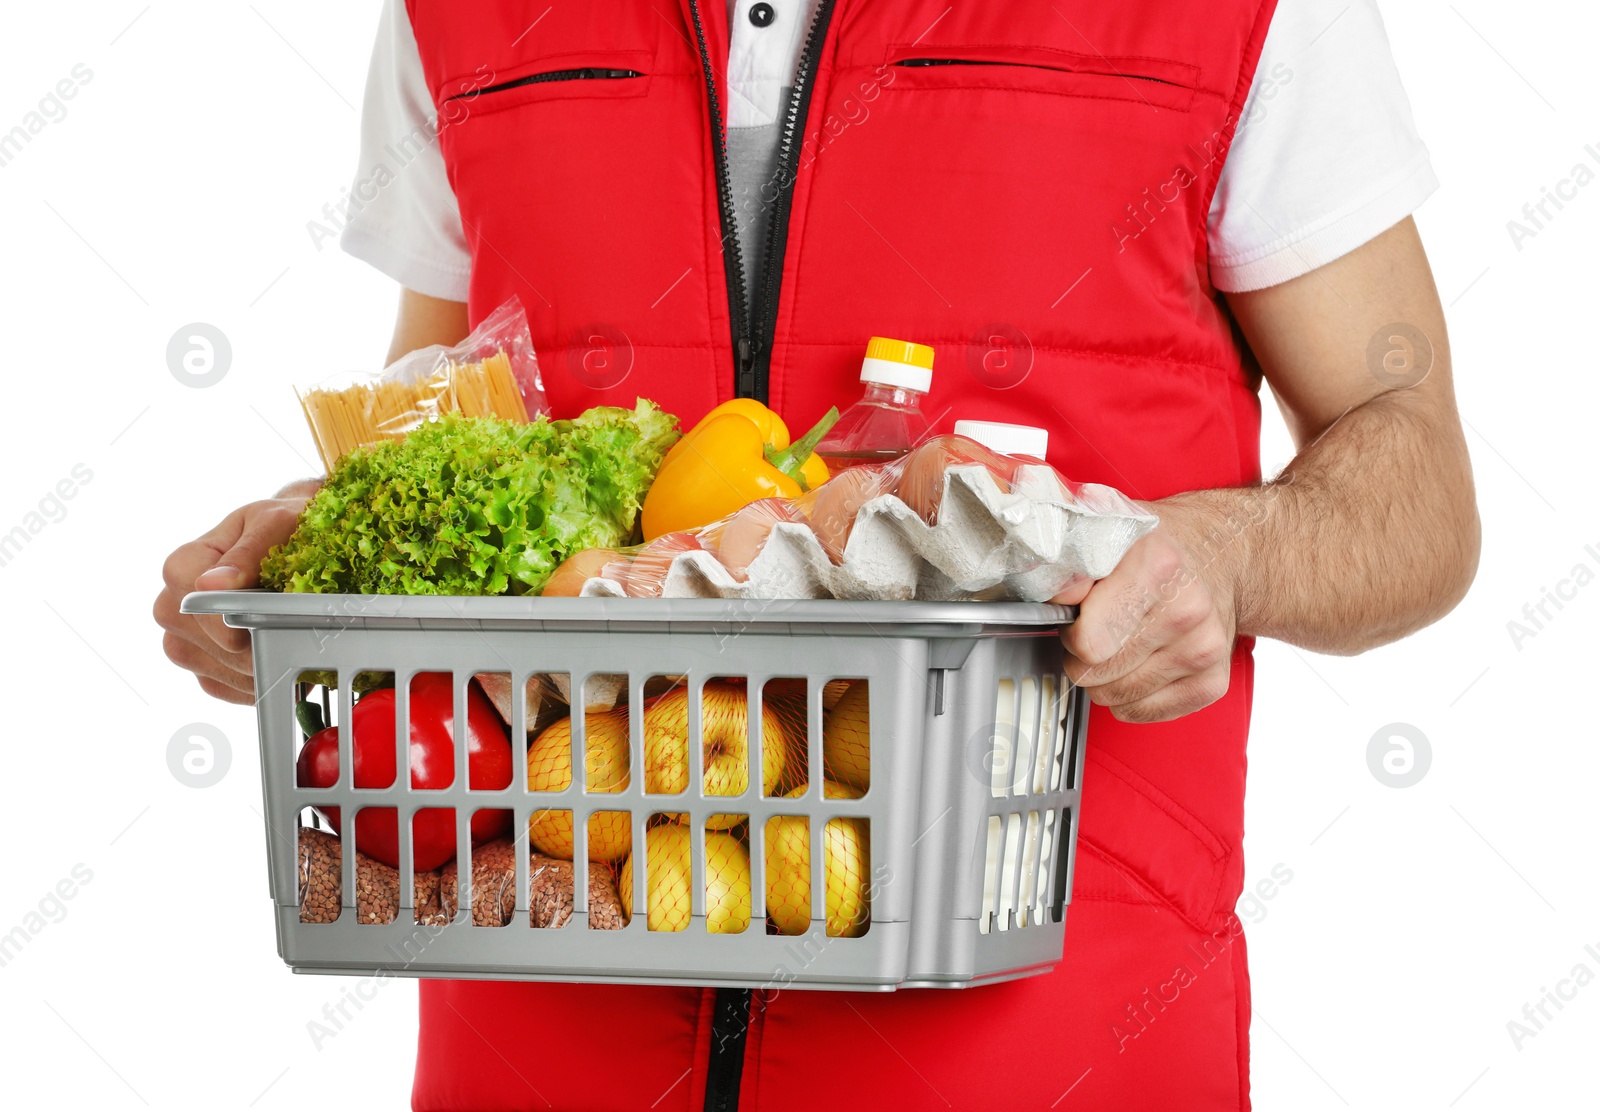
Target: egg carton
[[988, 544]]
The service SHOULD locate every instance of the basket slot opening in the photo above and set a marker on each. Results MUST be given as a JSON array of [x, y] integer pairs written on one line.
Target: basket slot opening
[[1010, 863], [1047, 732], [610, 841], [607, 747], [1074, 722], [786, 702], [1004, 740], [787, 860], [1028, 880], [1056, 709], [731, 730], [1062, 872], [847, 735], [1028, 736], [322, 890], [728, 891], [1041, 871], [662, 887], [667, 718], [495, 688], [847, 876], [991, 874]]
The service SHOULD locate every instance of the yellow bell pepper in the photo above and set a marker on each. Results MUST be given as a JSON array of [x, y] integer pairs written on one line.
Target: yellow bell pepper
[[738, 453], [813, 469]]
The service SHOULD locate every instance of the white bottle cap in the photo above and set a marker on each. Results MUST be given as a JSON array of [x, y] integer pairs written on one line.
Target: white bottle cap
[[1009, 440], [903, 376]]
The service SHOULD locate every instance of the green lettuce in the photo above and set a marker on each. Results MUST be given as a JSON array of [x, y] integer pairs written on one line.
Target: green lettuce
[[474, 505]]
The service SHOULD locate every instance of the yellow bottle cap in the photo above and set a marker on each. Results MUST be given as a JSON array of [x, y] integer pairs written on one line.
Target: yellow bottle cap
[[900, 351], [898, 363]]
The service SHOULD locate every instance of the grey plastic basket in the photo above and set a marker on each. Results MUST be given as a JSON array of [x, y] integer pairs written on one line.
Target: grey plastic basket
[[976, 757]]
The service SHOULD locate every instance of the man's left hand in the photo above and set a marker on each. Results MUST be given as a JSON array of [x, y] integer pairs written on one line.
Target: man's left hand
[[1154, 639]]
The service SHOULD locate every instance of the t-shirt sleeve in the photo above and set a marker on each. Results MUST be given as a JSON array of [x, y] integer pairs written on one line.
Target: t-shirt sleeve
[[1326, 157], [403, 217]]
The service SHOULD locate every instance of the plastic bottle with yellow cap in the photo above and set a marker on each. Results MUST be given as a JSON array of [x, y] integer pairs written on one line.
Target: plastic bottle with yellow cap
[[888, 421]]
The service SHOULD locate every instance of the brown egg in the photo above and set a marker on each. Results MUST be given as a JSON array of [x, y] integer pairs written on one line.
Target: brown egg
[[738, 540], [568, 579], [922, 473], [832, 506], [645, 573]]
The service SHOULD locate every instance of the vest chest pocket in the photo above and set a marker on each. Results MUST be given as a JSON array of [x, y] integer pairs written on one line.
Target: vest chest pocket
[[588, 75], [1157, 82]]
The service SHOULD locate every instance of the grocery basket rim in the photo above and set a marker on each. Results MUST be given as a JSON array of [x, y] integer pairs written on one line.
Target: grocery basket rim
[[243, 607]]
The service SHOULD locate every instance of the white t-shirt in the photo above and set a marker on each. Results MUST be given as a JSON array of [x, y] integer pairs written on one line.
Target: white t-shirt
[[1326, 157]]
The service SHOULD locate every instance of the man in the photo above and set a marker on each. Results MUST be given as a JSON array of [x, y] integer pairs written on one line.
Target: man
[[1112, 220]]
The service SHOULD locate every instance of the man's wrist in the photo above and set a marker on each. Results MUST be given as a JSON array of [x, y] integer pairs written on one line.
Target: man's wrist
[[1220, 533]]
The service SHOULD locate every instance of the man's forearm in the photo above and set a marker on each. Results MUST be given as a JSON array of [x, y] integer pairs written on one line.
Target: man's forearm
[[1368, 535]]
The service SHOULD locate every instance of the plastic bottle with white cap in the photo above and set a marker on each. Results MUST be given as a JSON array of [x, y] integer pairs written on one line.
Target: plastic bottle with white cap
[[1008, 440], [887, 422]]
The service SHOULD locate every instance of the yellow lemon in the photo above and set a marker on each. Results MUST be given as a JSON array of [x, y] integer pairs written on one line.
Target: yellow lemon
[[845, 844], [667, 849], [726, 740], [605, 767], [846, 749]]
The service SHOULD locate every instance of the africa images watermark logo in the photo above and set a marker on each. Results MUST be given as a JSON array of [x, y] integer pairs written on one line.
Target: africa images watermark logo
[[51, 509], [1144, 1012], [1536, 616], [1537, 216], [51, 908], [1536, 1016], [51, 109]]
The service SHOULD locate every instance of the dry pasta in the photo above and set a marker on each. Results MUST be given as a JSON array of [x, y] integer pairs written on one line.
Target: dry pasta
[[367, 413]]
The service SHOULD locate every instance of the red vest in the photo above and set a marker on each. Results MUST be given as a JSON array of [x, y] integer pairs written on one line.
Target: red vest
[[1035, 210]]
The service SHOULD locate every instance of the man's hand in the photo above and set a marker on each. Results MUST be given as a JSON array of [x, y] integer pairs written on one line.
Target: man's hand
[[226, 558], [1154, 639], [229, 557]]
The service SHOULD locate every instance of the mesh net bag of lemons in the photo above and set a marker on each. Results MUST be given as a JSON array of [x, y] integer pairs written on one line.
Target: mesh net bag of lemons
[[669, 843]]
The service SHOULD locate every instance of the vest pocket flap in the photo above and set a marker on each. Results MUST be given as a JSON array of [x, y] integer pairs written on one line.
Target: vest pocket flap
[[610, 73], [1158, 82], [1144, 838]]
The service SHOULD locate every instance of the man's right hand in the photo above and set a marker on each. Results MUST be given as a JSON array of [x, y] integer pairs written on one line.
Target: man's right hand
[[226, 558]]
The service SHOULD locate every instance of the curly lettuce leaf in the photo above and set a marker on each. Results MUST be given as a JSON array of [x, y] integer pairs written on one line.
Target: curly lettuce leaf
[[474, 505]]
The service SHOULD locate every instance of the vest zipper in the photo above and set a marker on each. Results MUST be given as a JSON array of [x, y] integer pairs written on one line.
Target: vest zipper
[[732, 264], [752, 340], [778, 227], [730, 1023], [730, 1013], [588, 74]]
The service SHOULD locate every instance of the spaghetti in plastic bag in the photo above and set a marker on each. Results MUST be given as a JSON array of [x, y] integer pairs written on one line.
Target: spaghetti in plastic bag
[[493, 372]]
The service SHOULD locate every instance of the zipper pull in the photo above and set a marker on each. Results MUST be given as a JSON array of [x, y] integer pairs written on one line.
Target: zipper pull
[[747, 370]]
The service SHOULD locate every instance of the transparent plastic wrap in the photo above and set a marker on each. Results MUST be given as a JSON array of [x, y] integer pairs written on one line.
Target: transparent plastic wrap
[[493, 372], [951, 520]]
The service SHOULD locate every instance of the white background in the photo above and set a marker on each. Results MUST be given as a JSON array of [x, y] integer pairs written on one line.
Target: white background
[[178, 187]]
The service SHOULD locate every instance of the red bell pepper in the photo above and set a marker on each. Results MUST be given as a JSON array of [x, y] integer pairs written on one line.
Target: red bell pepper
[[433, 831]]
